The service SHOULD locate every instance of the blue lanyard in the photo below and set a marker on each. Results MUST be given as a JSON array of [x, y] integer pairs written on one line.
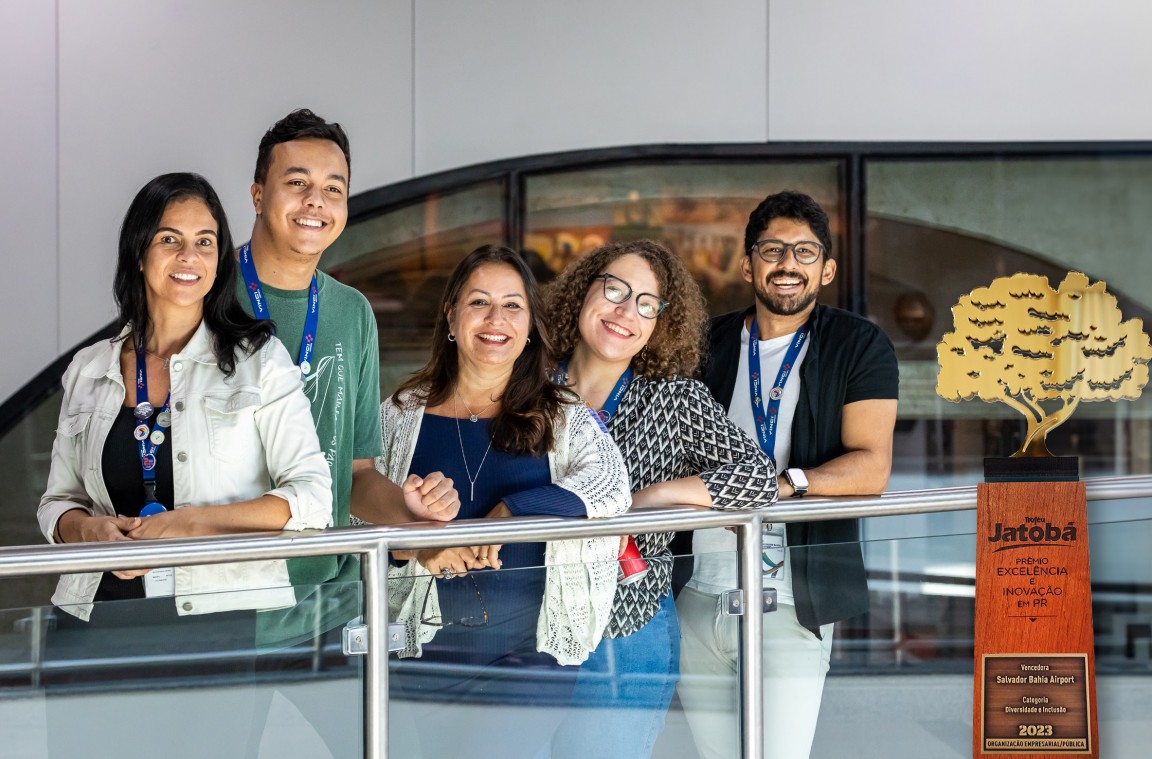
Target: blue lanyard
[[766, 419], [608, 410], [260, 306], [149, 439]]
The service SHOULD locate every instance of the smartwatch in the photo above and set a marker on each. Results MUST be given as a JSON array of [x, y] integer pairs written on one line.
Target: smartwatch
[[798, 482]]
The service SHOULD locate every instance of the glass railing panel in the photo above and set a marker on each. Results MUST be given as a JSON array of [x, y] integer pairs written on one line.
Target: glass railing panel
[[708, 697], [480, 679], [901, 674], [25, 454], [142, 678], [318, 702]]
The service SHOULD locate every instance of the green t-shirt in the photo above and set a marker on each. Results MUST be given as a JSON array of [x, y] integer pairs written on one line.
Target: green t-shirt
[[343, 388]]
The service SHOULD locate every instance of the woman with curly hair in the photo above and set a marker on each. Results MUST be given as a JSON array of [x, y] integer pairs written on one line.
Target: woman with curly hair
[[629, 323]]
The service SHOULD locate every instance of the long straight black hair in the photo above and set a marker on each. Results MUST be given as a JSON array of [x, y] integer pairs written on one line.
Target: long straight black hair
[[232, 329]]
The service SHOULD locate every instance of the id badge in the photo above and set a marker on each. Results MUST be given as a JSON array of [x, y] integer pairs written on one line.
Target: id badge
[[160, 582], [772, 552]]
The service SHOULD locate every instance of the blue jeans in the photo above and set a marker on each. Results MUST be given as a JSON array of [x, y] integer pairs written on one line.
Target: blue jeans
[[622, 693]]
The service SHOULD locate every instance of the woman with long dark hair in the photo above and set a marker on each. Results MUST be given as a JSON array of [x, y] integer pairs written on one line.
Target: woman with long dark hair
[[484, 411], [190, 422]]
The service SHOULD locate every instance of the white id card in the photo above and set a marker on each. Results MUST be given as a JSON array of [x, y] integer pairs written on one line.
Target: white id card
[[772, 551], [160, 582]]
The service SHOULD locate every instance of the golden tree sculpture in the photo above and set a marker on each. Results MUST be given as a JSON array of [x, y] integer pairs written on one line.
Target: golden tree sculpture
[[1042, 351]]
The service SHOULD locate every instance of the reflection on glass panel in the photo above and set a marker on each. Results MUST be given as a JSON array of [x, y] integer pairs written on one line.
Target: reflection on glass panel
[[1122, 587], [937, 230], [921, 607], [401, 260], [911, 655], [922, 591], [138, 678], [698, 210], [479, 678], [25, 456]]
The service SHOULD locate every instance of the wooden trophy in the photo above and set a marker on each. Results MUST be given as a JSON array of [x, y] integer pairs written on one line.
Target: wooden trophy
[[1041, 351]]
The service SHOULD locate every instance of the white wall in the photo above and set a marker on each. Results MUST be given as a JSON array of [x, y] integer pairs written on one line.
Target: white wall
[[498, 79], [28, 247], [962, 70], [99, 97]]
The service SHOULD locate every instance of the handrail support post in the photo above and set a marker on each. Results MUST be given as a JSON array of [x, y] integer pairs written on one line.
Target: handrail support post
[[374, 572], [751, 625]]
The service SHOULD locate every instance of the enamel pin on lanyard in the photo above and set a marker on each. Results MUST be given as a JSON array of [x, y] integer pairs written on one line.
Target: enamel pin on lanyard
[[162, 580]]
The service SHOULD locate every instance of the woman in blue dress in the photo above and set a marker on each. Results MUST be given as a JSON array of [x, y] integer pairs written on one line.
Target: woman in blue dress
[[484, 412]]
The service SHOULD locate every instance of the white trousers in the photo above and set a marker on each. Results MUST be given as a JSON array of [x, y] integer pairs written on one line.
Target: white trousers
[[794, 665]]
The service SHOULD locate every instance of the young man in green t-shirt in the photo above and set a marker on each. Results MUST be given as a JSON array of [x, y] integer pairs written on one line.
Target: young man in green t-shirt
[[300, 193]]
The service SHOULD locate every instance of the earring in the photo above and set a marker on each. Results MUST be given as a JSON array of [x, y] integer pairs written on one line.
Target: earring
[[527, 340], [451, 337]]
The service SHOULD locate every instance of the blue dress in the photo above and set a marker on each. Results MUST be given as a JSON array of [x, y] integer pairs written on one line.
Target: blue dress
[[470, 661]]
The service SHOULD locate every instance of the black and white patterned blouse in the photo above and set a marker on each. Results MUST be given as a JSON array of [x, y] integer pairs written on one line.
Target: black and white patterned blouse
[[668, 429]]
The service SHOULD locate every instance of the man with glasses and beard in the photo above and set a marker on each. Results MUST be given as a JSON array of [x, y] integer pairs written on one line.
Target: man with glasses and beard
[[816, 387]]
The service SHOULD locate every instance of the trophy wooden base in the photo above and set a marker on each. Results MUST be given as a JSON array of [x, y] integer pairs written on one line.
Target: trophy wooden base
[[1035, 686]]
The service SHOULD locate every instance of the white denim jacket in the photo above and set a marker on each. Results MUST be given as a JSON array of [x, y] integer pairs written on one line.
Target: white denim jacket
[[232, 440]]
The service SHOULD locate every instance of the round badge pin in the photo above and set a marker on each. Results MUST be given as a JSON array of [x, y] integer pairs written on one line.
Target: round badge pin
[[141, 432], [151, 508], [164, 419], [148, 461], [157, 437], [776, 393], [305, 368], [144, 410]]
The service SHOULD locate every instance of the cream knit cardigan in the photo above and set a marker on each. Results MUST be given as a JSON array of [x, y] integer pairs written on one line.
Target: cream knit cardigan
[[581, 574]]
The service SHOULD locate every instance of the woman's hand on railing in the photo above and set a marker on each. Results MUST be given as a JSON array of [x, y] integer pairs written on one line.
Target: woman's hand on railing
[[445, 562], [489, 555]]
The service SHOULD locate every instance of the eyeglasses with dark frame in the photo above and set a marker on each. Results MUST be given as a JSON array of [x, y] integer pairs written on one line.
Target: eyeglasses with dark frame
[[437, 621], [618, 291], [773, 251]]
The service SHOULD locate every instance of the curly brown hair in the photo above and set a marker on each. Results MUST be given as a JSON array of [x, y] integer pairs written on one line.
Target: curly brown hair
[[677, 345]]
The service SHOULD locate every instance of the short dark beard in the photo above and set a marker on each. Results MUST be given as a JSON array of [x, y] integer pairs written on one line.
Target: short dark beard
[[790, 307]]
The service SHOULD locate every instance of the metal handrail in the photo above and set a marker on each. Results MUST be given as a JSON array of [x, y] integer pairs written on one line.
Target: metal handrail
[[99, 557], [372, 543]]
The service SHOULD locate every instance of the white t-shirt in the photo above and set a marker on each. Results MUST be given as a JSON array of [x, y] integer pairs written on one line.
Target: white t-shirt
[[715, 549]]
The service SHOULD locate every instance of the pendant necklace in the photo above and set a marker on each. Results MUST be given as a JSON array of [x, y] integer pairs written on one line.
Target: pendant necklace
[[471, 416], [157, 355], [460, 436]]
